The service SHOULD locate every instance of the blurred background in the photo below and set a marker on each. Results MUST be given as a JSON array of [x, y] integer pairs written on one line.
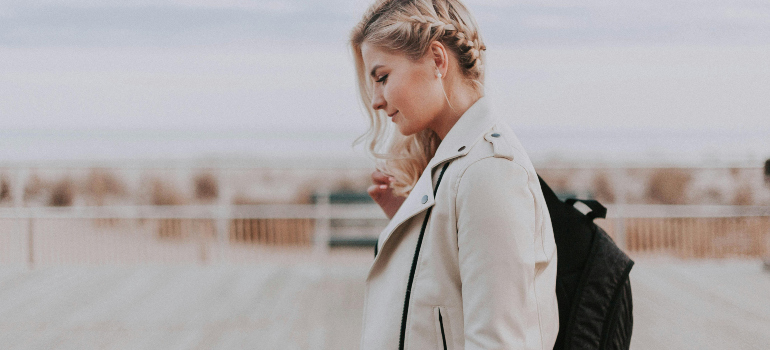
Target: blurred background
[[179, 174]]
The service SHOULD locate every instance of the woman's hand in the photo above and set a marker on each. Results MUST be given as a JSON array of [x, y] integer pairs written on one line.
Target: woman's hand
[[383, 195]]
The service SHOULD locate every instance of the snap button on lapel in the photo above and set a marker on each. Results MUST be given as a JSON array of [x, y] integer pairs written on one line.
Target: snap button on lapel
[[461, 149], [500, 147], [424, 199]]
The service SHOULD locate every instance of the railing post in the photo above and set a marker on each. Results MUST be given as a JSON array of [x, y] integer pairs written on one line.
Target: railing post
[[620, 221], [620, 226], [135, 184], [31, 242], [322, 223], [17, 192], [224, 214], [766, 234]]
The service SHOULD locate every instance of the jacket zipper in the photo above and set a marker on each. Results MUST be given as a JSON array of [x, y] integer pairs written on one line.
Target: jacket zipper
[[441, 324], [414, 265]]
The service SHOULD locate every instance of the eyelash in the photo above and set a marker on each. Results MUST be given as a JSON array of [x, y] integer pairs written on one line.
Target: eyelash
[[381, 79]]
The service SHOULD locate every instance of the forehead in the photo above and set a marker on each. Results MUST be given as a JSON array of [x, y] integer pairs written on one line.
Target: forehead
[[373, 56]]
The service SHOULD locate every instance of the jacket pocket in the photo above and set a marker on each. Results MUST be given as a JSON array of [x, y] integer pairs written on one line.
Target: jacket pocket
[[441, 331]]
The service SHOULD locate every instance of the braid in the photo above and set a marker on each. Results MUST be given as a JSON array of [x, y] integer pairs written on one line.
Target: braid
[[468, 48], [433, 22]]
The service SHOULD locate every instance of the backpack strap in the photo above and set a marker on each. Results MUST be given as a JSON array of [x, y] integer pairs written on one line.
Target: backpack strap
[[597, 209]]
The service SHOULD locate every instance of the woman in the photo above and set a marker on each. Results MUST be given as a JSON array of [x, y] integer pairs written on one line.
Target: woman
[[468, 260]]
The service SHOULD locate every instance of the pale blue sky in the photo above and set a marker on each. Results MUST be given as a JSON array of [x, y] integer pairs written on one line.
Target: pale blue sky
[[279, 66]]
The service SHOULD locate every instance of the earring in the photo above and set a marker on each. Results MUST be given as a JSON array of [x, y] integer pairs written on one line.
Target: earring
[[438, 74]]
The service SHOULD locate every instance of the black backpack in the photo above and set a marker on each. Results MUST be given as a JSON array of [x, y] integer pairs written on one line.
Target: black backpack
[[592, 284]]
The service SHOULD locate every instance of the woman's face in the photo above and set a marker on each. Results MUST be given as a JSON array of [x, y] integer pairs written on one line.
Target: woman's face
[[408, 91]]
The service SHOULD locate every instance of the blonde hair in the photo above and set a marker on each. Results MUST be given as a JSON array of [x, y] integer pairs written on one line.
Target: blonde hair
[[409, 27]]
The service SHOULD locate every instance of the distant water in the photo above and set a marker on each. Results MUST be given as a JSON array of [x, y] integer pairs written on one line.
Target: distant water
[[325, 147]]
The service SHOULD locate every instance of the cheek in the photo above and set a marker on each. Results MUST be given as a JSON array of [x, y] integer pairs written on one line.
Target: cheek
[[414, 94]]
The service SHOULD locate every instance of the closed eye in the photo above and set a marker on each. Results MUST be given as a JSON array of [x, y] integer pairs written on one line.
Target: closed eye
[[382, 79]]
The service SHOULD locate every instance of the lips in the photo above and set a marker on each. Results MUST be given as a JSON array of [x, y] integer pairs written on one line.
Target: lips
[[391, 115]]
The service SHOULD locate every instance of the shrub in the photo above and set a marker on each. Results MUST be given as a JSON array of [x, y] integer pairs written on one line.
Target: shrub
[[101, 183], [165, 194], [767, 172], [743, 196], [602, 188], [712, 195], [62, 193], [206, 187], [668, 186], [5, 189], [34, 188]]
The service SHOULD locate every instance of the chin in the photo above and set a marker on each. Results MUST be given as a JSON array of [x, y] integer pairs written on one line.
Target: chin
[[406, 131]]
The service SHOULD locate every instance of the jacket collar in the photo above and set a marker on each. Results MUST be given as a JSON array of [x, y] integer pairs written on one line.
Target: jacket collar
[[471, 126]]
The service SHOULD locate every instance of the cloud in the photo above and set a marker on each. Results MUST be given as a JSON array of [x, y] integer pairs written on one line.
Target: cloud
[[199, 22]]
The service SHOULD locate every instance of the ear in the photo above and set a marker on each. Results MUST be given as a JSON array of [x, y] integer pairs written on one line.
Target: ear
[[440, 56]]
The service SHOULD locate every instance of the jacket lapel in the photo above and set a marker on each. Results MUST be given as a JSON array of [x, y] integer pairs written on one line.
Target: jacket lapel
[[472, 126], [412, 206]]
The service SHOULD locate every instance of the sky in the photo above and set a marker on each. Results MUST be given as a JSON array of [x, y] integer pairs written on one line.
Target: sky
[[282, 71]]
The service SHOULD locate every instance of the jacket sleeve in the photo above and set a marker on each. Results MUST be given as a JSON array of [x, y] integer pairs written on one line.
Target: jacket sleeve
[[496, 231]]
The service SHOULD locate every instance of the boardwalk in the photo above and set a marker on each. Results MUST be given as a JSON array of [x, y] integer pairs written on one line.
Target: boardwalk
[[300, 303]]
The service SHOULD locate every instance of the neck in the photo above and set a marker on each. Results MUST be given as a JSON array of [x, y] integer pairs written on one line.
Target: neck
[[461, 100]]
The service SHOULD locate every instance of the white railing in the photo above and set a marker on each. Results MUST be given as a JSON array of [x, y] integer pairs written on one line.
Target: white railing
[[691, 231], [215, 225], [217, 233], [685, 211], [261, 211]]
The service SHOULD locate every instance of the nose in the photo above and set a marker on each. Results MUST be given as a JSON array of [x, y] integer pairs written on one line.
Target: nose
[[378, 102]]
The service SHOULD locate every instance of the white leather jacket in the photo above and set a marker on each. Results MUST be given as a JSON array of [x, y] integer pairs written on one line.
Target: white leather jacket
[[482, 271]]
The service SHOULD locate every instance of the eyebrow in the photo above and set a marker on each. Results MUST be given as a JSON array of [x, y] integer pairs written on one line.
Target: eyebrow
[[374, 69]]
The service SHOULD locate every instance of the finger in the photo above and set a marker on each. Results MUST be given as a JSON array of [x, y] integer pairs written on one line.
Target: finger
[[376, 190], [379, 178]]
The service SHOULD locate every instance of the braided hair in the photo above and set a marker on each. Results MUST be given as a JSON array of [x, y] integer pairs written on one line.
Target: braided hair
[[409, 27]]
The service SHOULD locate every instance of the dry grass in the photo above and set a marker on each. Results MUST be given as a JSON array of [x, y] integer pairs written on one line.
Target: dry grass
[[743, 196], [305, 192], [767, 172], [163, 193], [668, 186], [206, 187], [5, 189], [602, 188], [62, 193], [101, 184], [34, 188], [712, 195]]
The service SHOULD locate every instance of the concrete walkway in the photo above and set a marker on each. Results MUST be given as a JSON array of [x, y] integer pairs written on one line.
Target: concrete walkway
[[310, 304], [700, 305]]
